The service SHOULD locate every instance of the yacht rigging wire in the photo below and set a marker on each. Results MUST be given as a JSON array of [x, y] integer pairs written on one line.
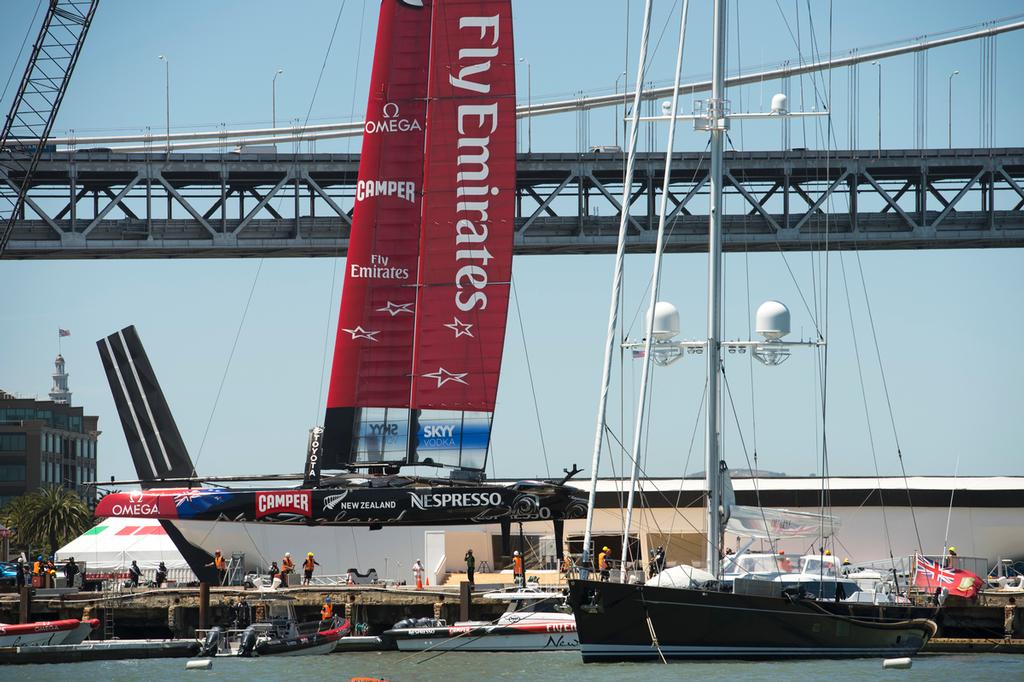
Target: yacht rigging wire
[[529, 373], [333, 297], [259, 268], [867, 412], [888, 402], [645, 372], [21, 50], [616, 285]]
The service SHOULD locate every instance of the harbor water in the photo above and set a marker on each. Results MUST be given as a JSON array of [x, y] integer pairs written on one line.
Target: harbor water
[[563, 666]]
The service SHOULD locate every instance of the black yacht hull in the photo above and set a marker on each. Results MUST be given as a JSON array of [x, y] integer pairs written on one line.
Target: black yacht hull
[[617, 622]]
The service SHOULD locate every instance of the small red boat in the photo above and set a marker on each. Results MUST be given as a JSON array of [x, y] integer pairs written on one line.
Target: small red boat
[[47, 632]]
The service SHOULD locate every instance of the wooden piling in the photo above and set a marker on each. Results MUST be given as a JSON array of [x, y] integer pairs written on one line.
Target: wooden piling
[[25, 605], [465, 597], [204, 606]]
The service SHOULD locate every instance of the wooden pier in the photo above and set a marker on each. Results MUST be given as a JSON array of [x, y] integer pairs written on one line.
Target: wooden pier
[[174, 613]]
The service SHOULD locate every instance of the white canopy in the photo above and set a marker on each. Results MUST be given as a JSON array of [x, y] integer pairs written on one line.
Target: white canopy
[[681, 576], [108, 549]]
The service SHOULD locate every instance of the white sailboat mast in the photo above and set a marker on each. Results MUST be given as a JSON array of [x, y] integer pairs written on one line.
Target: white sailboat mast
[[620, 251], [645, 373], [716, 109]]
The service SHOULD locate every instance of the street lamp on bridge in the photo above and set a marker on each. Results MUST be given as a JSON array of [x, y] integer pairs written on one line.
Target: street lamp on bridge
[[273, 98], [949, 124], [167, 96], [616, 108], [529, 104], [879, 65]]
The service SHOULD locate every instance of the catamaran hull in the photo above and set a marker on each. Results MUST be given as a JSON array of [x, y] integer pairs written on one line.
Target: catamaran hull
[[619, 622], [354, 506], [488, 638]]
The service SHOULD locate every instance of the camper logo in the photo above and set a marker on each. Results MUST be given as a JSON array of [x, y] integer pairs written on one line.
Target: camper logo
[[291, 502]]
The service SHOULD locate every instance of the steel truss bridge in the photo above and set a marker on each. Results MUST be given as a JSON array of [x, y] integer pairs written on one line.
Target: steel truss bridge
[[103, 204]]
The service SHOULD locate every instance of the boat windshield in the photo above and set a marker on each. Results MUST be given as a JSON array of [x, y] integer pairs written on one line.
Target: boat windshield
[[534, 605], [815, 565], [756, 563]]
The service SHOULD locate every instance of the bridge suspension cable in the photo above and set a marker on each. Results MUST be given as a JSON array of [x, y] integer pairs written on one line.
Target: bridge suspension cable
[[224, 138]]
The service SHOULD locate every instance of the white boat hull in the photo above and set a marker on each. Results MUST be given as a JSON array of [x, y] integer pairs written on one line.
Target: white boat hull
[[554, 636]]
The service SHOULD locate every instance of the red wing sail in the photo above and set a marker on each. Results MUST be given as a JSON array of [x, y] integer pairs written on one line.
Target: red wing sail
[[370, 378], [468, 209]]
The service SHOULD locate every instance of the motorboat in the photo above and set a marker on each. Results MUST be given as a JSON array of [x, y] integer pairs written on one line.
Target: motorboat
[[274, 631], [533, 621], [47, 632]]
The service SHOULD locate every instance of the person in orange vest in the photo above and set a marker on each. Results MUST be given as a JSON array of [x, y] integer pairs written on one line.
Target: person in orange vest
[[287, 568], [327, 610], [518, 574], [602, 564], [307, 568], [221, 565]]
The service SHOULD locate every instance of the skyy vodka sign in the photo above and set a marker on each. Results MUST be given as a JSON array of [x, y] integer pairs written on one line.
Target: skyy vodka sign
[[450, 437]]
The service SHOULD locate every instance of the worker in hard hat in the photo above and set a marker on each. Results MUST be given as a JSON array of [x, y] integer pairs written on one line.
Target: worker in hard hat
[[518, 572], [951, 557], [287, 568], [327, 610], [307, 568], [602, 564]]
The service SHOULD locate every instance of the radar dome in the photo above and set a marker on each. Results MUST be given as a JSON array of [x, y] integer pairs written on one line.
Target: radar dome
[[666, 320], [772, 320], [780, 104]]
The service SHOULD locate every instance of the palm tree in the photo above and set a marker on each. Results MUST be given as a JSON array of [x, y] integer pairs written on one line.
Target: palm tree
[[49, 517]]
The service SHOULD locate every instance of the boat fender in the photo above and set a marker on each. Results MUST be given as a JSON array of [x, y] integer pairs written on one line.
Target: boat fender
[[212, 643], [897, 663], [199, 664], [247, 645]]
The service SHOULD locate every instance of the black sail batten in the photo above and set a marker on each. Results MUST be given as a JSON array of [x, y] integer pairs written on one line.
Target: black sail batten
[[338, 437], [154, 441]]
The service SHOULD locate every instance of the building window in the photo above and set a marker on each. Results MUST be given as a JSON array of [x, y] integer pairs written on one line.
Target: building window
[[12, 442], [12, 472]]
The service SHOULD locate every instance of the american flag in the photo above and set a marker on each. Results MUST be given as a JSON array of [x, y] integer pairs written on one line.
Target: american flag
[[63, 332]]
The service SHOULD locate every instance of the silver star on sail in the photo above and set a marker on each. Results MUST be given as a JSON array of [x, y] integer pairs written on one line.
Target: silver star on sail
[[460, 328], [360, 333], [393, 309], [443, 376]]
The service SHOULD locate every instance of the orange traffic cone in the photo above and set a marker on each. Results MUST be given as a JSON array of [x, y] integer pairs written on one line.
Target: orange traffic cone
[[419, 582], [428, 581]]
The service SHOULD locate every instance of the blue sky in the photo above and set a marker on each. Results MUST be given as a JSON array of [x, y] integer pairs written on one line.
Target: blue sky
[[948, 321]]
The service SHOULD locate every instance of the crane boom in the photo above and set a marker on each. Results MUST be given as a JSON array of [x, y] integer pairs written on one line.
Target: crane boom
[[34, 108]]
